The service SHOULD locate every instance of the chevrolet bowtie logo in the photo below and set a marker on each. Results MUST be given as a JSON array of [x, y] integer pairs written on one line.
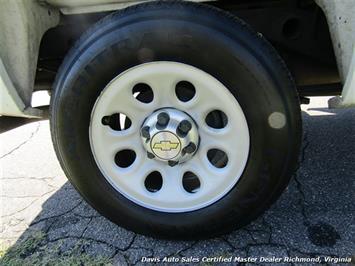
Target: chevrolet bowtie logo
[[165, 145]]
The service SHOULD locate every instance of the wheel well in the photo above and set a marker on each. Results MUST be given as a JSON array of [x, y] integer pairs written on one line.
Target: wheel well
[[296, 28]]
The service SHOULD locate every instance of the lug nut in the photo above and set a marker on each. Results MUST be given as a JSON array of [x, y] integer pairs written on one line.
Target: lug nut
[[190, 148], [145, 132], [172, 163], [163, 120], [106, 120], [150, 155], [184, 128]]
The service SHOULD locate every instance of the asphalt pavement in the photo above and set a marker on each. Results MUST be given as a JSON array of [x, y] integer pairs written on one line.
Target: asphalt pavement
[[45, 221]]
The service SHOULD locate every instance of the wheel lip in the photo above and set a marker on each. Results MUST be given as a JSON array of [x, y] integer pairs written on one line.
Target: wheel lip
[[186, 168]]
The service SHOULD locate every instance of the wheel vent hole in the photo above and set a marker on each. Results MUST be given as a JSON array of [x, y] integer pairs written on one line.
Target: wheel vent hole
[[143, 93], [185, 91], [125, 158], [216, 119], [217, 158], [190, 182], [153, 182], [117, 121]]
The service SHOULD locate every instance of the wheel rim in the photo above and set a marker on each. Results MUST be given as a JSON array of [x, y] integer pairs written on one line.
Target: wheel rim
[[118, 138]]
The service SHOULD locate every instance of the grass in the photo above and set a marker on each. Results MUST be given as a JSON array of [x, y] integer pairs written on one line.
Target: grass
[[222, 254], [34, 251]]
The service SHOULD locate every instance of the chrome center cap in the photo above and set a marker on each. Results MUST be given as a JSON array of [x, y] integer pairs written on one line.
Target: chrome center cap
[[170, 135]]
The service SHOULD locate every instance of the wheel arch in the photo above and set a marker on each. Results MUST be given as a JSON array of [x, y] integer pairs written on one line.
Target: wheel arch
[[22, 25]]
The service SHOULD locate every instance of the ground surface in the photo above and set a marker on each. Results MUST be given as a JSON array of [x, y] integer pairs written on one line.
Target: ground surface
[[44, 220]]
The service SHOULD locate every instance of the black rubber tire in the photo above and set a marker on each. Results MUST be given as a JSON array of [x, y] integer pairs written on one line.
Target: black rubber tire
[[211, 40]]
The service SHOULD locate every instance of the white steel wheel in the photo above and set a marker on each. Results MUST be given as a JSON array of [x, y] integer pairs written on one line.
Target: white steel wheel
[[169, 137]]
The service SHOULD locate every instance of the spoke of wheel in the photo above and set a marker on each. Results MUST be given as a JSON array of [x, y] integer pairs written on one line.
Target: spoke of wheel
[[124, 102], [218, 138], [136, 111], [172, 189], [208, 175], [163, 89], [201, 106], [118, 142], [138, 174]]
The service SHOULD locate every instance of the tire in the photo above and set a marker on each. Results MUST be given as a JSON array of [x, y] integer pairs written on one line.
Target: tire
[[200, 38]]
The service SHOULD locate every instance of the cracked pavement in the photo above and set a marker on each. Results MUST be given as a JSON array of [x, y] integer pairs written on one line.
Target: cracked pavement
[[314, 216]]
